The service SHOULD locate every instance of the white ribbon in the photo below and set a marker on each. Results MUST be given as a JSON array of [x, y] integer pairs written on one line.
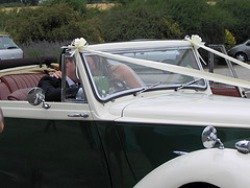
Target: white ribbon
[[177, 69], [195, 40], [78, 45]]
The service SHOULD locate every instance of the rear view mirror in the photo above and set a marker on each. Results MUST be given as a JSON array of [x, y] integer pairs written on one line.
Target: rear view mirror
[[36, 96]]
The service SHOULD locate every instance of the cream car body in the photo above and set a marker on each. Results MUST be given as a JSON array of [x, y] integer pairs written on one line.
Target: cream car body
[[118, 139]]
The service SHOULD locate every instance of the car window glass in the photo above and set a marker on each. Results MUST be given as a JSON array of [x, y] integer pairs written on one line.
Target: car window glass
[[8, 43], [73, 90], [111, 77]]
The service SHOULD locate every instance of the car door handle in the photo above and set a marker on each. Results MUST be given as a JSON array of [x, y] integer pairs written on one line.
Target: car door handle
[[84, 115]]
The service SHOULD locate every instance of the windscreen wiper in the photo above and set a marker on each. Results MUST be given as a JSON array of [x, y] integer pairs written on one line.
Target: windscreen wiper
[[188, 84], [147, 88], [12, 47]]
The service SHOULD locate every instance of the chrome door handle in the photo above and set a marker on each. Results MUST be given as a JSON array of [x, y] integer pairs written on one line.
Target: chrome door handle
[[84, 115]]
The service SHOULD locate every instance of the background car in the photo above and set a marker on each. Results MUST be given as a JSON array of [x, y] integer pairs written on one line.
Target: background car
[[241, 51], [8, 49]]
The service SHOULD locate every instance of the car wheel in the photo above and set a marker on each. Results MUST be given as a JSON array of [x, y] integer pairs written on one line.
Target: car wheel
[[241, 57]]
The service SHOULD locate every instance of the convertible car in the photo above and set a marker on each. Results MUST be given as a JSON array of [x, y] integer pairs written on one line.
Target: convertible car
[[146, 115]]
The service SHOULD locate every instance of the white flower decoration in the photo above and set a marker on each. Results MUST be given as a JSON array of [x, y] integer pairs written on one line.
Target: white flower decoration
[[78, 45], [195, 40]]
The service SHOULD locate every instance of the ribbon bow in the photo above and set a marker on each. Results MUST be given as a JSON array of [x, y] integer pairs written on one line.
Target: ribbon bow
[[77, 45], [195, 40]]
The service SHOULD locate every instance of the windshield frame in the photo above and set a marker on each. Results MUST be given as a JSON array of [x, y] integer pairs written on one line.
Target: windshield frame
[[134, 91]]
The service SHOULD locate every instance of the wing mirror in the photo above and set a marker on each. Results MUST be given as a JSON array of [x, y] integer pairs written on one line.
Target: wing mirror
[[1, 120], [36, 96], [209, 138]]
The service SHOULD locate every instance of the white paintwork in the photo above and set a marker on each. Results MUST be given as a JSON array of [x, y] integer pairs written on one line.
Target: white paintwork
[[187, 109], [58, 110], [8, 49], [11, 54], [121, 46], [171, 108], [225, 168]]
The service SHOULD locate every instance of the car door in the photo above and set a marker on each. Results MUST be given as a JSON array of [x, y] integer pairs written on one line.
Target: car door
[[53, 147]]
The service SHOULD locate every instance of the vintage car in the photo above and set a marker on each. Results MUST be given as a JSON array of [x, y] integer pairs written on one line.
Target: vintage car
[[144, 116]]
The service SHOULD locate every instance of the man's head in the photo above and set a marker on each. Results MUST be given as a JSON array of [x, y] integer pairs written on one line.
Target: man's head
[[70, 68]]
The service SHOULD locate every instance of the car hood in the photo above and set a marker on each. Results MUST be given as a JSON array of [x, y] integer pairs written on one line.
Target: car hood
[[183, 108]]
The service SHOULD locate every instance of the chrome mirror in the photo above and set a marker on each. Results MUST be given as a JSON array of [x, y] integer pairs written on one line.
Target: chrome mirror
[[243, 146], [36, 96], [1, 120], [209, 138]]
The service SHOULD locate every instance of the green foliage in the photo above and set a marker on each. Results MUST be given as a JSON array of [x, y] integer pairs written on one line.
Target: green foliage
[[196, 17], [214, 23], [91, 30], [137, 22], [77, 5], [240, 10], [5, 18], [42, 23], [30, 2], [59, 20]]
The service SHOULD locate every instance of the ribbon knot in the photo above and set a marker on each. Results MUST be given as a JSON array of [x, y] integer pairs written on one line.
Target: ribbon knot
[[77, 45], [195, 40]]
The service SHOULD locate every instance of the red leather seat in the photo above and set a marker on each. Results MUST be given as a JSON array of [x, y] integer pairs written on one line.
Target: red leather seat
[[4, 91], [20, 81], [12, 83]]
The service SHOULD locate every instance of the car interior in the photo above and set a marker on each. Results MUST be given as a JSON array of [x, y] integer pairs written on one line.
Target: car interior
[[17, 81]]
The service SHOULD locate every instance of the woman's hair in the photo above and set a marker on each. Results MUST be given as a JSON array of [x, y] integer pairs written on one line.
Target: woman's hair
[[101, 64], [69, 58]]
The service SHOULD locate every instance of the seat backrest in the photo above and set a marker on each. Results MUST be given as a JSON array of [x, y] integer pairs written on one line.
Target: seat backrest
[[19, 95], [21, 81], [4, 91], [11, 83]]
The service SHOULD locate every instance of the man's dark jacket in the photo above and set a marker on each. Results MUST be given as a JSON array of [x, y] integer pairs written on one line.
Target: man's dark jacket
[[52, 88]]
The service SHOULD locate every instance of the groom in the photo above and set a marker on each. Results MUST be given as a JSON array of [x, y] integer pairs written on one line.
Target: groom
[[51, 84]]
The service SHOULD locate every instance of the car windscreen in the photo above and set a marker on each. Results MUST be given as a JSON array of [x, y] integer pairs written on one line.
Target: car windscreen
[[112, 77], [6, 43]]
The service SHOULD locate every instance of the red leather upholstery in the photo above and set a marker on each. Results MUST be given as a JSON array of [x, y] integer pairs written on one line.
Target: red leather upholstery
[[4, 91], [11, 83], [20, 95], [20, 81]]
